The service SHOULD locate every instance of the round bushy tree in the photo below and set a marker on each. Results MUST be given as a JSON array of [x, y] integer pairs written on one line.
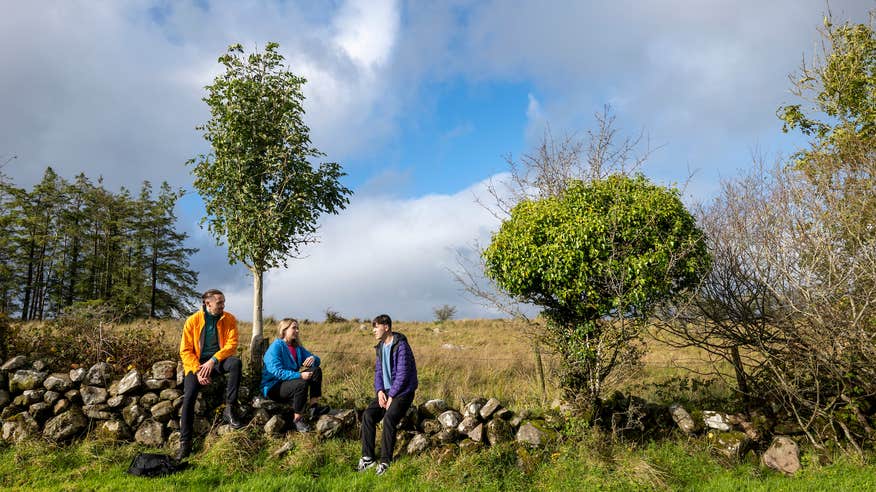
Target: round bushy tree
[[598, 258]]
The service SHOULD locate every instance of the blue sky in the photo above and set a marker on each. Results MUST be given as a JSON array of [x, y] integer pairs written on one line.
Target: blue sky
[[419, 101]]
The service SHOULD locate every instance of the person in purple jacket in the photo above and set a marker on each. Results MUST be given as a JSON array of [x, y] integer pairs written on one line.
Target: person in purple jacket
[[395, 381]]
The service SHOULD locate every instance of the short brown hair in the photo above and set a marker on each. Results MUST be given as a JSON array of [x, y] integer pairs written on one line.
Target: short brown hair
[[382, 319], [210, 293]]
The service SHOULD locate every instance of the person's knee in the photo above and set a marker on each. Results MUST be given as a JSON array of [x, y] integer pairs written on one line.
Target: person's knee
[[234, 363]]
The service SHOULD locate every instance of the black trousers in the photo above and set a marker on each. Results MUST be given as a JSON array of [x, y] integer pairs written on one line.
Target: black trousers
[[295, 390], [390, 417], [231, 367]]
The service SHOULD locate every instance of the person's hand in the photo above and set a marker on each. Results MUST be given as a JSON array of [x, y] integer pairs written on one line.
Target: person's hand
[[308, 361], [381, 399], [204, 371], [388, 402], [306, 375]]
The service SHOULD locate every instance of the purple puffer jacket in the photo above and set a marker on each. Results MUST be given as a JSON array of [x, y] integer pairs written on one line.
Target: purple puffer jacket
[[403, 370]]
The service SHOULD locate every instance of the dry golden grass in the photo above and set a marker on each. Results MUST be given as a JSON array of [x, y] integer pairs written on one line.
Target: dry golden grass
[[461, 359]]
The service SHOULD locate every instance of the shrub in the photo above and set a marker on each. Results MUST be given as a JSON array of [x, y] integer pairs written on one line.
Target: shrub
[[332, 316], [444, 313]]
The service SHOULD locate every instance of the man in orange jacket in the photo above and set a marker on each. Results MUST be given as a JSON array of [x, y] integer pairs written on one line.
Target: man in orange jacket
[[207, 348]]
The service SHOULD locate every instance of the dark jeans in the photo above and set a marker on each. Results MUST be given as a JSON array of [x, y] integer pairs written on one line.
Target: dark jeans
[[231, 367], [391, 417], [295, 390]]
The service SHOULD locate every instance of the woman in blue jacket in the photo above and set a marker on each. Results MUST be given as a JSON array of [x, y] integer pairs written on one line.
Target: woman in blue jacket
[[291, 372]]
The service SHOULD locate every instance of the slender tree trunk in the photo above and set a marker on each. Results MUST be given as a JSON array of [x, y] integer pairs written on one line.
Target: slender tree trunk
[[153, 274], [28, 283], [741, 379], [536, 348], [256, 314]]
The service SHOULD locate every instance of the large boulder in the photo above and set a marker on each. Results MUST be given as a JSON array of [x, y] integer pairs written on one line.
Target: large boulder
[[150, 433], [59, 382], [783, 455], [113, 430], [534, 434], [682, 419], [328, 426], [93, 395], [20, 427], [499, 431], [14, 364], [98, 375], [489, 408], [131, 382], [66, 425], [275, 426], [24, 379], [418, 444], [162, 411], [450, 419], [164, 369]]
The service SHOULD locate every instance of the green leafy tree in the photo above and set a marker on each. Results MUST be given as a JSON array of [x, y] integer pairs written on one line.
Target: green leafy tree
[[262, 194], [598, 257]]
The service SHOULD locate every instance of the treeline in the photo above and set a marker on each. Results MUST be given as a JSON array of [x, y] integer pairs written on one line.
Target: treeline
[[71, 244]]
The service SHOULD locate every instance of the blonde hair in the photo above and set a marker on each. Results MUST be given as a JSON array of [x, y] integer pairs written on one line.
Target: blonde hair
[[283, 325]]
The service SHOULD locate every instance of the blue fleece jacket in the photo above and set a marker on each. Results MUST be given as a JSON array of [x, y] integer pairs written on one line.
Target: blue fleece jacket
[[279, 365]]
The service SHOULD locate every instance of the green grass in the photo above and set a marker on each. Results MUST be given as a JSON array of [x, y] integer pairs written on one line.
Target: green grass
[[242, 461]]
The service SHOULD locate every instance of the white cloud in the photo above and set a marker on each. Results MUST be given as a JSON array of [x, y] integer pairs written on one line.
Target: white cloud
[[382, 254]]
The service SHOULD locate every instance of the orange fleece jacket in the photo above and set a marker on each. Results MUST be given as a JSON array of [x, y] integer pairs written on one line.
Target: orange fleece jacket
[[190, 345]]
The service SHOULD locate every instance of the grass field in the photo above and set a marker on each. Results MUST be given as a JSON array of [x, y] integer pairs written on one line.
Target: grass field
[[456, 360]]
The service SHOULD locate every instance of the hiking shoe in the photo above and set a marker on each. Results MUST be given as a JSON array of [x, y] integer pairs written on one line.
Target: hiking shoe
[[381, 468], [317, 410], [231, 418], [301, 426], [365, 463], [185, 449]]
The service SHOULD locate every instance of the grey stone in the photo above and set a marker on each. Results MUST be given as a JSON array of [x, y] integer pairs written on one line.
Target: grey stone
[[170, 394], [59, 382], [113, 388], [150, 433], [78, 375], [180, 373], [93, 395], [284, 449], [270, 405], [732, 444], [118, 401], [20, 427], [113, 430], [164, 369], [716, 420], [783, 455], [275, 426], [14, 364], [34, 396], [131, 382], [51, 397], [431, 426], [473, 408], [66, 426], [133, 414], [61, 406], [24, 379], [177, 403], [261, 417], [531, 435], [498, 431], [516, 420], [41, 412], [682, 419], [328, 426], [159, 384], [74, 396], [162, 411], [348, 417], [445, 436], [434, 408], [20, 401], [468, 423], [476, 434], [98, 375], [418, 444], [149, 399], [39, 365], [450, 419], [489, 408], [98, 411]]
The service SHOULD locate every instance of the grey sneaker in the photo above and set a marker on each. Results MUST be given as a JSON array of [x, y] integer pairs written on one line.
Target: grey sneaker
[[381, 468], [301, 426], [365, 463]]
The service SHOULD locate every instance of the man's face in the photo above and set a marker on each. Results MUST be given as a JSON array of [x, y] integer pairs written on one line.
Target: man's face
[[215, 304], [380, 331]]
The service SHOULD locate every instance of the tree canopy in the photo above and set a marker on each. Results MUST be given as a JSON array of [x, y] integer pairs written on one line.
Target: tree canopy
[[263, 195]]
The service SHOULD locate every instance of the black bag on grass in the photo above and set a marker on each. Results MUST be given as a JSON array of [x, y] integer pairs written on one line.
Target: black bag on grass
[[155, 465]]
